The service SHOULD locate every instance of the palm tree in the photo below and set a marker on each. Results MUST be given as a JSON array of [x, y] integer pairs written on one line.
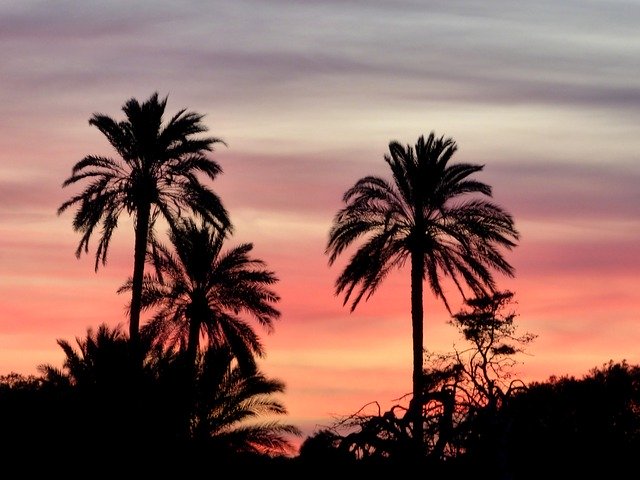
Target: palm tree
[[422, 216], [230, 403], [101, 360], [109, 399], [201, 290], [232, 411], [156, 175]]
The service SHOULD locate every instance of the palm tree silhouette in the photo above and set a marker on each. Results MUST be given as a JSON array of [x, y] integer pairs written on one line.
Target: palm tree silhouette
[[421, 217], [155, 176], [110, 401], [230, 403], [201, 290], [99, 361], [231, 410]]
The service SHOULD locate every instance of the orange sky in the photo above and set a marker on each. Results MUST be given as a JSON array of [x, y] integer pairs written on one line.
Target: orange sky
[[307, 97]]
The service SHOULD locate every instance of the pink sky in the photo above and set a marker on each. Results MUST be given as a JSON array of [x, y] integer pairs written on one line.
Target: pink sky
[[307, 96]]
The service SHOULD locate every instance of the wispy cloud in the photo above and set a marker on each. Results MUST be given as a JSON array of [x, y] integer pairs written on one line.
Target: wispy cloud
[[308, 95]]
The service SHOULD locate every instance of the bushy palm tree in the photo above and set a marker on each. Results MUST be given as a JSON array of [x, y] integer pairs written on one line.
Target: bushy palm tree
[[110, 399], [224, 414], [230, 403], [434, 215], [201, 290], [156, 175]]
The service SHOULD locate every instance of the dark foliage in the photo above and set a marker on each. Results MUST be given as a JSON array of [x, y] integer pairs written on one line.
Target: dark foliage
[[158, 172], [480, 418], [435, 216], [84, 410], [580, 425], [564, 427]]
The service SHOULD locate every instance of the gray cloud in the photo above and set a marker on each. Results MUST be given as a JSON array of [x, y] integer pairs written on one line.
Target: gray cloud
[[569, 191], [30, 196], [577, 53], [311, 184], [70, 58]]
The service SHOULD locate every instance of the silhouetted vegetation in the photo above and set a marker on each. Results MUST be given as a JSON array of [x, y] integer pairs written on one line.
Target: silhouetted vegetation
[[154, 176], [581, 425], [479, 417], [461, 390], [565, 427], [202, 292], [87, 404], [183, 394], [433, 214]]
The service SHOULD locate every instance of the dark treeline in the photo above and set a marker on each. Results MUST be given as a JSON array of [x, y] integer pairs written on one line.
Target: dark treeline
[[480, 419], [98, 403], [181, 392], [477, 418], [565, 427]]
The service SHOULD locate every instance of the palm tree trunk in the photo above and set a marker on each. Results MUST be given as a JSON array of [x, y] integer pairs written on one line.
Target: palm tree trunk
[[190, 378], [139, 258], [417, 319], [192, 347]]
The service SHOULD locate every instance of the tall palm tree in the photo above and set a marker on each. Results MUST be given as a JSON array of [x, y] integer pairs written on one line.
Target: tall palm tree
[[156, 175], [201, 290], [433, 214]]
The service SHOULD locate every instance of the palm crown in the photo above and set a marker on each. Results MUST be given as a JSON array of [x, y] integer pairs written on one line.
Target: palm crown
[[421, 210], [202, 290], [230, 401]]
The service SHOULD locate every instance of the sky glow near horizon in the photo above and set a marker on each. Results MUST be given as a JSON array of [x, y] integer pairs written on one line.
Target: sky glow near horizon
[[307, 96]]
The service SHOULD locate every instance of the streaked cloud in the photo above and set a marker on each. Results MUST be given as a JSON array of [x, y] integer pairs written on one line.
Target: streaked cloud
[[308, 95]]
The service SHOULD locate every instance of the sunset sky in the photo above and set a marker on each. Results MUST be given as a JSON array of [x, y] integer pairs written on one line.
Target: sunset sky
[[307, 96]]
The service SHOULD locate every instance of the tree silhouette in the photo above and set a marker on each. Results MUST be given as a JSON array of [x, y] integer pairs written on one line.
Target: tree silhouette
[[203, 291], [100, 359], [111, 401], [156, 175], [228, 403], [225, 414], [423, 217], [468, 388], [580, 425], [465, 394]]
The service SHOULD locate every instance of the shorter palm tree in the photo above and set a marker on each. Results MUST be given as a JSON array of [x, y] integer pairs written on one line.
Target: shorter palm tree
[[229, 404], [111, 402], [202, 291], [223, 416], [99, 361]]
